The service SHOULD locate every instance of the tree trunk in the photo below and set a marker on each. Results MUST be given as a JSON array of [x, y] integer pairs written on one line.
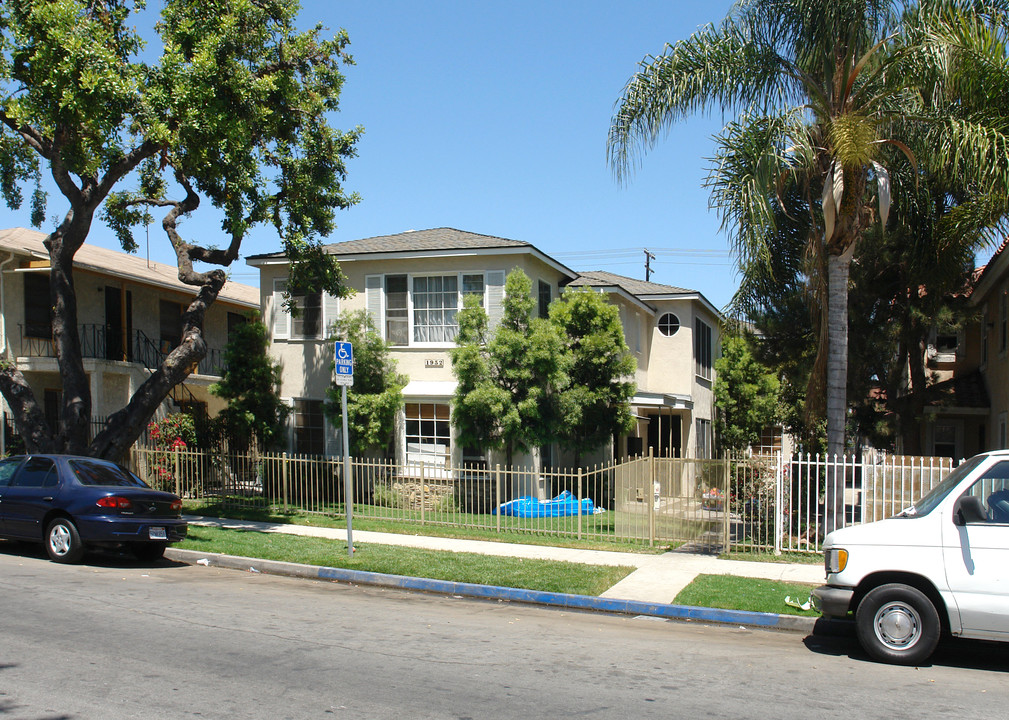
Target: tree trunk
[[75, 412], [837, 379], [125, 426]]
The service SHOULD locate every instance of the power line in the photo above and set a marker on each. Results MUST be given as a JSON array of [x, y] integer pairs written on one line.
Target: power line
[[625, 252]]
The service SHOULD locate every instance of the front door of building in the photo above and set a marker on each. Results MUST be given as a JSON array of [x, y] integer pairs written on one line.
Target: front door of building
[[118, 323], [664, 435]]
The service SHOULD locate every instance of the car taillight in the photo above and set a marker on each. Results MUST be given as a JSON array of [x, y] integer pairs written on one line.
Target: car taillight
[[176, 505], [115, 502]]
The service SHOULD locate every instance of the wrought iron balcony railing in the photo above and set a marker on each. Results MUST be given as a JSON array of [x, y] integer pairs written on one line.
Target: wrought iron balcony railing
[[101, 341]]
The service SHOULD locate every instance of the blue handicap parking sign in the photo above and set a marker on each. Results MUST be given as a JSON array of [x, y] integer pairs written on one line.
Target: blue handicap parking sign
[[344, 361]]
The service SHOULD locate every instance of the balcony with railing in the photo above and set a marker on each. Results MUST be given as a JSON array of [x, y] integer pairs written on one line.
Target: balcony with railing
[[106, 343]]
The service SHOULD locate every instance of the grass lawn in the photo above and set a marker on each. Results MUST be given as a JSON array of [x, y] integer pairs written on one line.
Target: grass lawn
[[737, 593], [546, 575], [528, 537]]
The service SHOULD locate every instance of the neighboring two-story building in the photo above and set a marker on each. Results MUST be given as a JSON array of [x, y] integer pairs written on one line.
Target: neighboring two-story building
[[967, 408], [413, 285], [130, 313]]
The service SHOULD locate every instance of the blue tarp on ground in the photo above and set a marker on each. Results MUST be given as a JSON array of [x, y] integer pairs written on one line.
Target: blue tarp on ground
[[564, 505]]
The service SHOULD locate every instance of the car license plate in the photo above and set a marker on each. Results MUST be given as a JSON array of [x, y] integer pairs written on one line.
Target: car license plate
[[158, 533]]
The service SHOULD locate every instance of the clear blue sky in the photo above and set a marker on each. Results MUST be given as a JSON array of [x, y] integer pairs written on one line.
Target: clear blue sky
[[492, 118]]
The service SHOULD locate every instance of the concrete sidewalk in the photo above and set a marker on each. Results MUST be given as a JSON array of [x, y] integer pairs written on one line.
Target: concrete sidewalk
[[656, 580]]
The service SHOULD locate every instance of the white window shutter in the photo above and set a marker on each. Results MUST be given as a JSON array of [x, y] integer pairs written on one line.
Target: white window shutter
[[281, 318], [495, 297], [373, 299], [330, 309], [334, 443]]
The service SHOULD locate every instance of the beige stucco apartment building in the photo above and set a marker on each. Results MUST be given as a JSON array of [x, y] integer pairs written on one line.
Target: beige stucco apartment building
[[413, 283], [129, 310]]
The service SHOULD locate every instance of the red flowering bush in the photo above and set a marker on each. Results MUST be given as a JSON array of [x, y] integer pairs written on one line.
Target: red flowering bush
[[173, 433]]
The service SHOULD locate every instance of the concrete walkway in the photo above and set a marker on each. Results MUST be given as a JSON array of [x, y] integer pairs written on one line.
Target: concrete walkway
[[656, 578]]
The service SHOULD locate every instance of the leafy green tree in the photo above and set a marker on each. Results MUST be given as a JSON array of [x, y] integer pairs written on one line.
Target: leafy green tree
[[233, 107], [482, 412], [251, 385], [508, 381], [595, 403], [746, 395], [820, 87], [377, 393]]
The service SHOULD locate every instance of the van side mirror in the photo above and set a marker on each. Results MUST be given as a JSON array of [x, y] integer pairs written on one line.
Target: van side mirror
[[969, 509]]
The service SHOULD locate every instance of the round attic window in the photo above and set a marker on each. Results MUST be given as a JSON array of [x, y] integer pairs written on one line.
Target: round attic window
[[669, 324]]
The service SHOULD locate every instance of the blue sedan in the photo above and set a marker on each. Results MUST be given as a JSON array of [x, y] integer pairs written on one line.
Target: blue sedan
[[70, 503]]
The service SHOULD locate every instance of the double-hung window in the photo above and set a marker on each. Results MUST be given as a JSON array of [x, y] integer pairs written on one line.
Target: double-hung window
[[397, 310], [309, 427], [473, 285], [314, 311], [435, 303], [423, 309]]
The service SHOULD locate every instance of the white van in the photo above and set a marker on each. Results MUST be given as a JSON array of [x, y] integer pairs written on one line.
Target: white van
[[940, 566]]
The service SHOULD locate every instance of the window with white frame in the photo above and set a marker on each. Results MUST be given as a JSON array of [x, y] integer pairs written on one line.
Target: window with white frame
[[435, 304], [423, 309], [313, 312], [702, 349], [397, 310], [473, 285], [428, 433], [668, 324]]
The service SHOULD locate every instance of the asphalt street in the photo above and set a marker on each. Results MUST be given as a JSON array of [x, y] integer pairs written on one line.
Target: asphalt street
[[116, 639]]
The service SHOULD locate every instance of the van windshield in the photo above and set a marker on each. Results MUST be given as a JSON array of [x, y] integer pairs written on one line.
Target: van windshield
[[935, 496]]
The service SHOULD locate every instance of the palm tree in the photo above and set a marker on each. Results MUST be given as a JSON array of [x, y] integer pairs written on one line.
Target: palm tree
[[819, 88]]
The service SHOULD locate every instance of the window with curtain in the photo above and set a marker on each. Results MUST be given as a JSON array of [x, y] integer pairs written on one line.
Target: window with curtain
[[435, 304]]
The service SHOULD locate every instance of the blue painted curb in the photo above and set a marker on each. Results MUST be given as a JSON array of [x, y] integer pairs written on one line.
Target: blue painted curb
[[537, 597]]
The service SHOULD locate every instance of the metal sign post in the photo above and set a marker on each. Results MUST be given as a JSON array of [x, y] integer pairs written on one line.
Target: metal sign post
[[344, 377]]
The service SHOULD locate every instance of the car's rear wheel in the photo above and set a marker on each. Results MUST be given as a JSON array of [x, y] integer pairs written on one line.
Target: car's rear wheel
[[898, 624], [148, 551], [63, 542]]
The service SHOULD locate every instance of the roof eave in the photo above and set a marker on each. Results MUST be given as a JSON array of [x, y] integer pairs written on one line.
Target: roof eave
[[526, 249]]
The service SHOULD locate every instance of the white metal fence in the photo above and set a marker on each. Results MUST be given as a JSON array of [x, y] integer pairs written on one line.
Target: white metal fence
[[778, 502], [757, 503]]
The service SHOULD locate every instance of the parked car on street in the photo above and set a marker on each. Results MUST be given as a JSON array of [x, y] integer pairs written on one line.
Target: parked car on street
[[70, 503], [939, 567]]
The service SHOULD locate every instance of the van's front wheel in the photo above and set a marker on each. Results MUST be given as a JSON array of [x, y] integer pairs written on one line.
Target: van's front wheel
[[898, 624]]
